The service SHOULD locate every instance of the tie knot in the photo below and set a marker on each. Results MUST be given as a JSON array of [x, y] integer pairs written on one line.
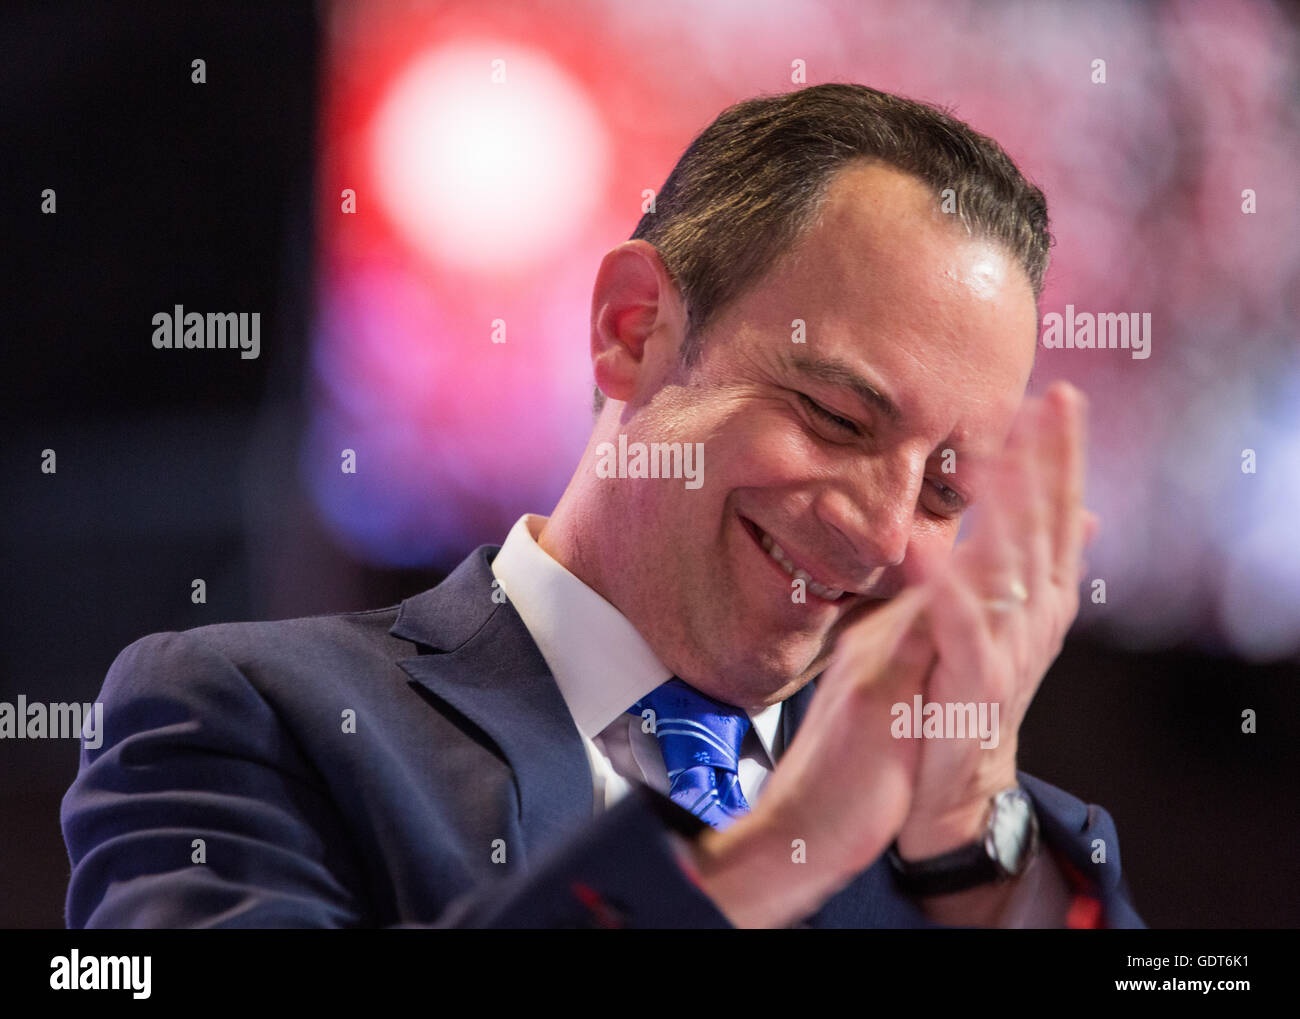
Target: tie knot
[[694, 729]]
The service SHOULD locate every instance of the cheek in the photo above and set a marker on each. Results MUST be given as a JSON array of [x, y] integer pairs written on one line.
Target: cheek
[[767, 448]]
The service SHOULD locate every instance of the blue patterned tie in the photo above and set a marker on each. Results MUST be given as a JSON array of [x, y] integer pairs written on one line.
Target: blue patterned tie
[[700, 739]]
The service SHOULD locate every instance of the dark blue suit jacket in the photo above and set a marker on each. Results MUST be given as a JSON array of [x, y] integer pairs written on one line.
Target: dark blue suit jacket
[[462, 750]]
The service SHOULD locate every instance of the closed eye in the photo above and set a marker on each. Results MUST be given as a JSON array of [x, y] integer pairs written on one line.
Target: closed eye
[[834, 420]]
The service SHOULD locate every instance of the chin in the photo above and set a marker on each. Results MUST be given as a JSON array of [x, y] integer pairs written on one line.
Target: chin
[[755, 674]]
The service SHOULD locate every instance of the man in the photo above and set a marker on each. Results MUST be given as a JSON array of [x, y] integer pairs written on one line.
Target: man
[[684, 700]]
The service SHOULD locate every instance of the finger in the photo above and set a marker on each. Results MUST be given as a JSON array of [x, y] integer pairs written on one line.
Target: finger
[[959, 626], [1091, 527], [996, 560], [1029, 492], [994, 566], [1000, 477], [1067, 408], [866, 646], [911, 660]]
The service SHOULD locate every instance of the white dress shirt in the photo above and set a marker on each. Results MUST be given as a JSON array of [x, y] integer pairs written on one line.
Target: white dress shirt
[[603, 666]]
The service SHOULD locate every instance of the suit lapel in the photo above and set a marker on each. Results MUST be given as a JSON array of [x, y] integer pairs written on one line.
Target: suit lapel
[[793, 709], [479, 659]]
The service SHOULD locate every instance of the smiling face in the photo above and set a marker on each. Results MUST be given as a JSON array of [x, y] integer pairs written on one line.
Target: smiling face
[[823, 459]]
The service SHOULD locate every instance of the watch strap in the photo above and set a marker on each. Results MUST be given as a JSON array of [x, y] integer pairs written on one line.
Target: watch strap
[[973, 864], [966, 867]]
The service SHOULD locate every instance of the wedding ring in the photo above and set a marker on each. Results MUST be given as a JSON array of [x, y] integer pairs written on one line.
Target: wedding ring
[[1019, 594]]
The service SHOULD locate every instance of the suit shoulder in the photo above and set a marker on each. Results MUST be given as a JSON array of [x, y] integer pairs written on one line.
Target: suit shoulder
[[301, 635], [261, 649]]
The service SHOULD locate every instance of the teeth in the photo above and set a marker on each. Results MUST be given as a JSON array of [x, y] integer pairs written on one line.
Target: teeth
[[778, 554], [829, 593]]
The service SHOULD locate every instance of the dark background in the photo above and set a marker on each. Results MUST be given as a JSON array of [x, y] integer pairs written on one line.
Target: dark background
[[172, 466]]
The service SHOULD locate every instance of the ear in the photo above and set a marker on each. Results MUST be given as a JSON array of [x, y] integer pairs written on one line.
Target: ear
[[637, 322]]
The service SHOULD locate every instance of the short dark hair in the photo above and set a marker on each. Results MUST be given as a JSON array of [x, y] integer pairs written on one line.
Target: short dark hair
[[754, 180]]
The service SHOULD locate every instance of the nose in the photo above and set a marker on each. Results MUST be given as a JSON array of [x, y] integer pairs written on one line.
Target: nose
[[873, 510]]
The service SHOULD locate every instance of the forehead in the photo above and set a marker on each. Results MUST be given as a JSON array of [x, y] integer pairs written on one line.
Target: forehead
[[886, 282]]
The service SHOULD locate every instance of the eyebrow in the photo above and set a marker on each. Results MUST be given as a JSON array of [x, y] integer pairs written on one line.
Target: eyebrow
[[837, 373]]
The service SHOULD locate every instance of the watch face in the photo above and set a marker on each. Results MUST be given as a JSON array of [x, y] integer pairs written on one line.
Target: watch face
[[1011, 830]]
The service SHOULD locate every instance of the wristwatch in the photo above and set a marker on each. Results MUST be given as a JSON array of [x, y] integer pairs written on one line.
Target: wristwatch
[[1008, 845]]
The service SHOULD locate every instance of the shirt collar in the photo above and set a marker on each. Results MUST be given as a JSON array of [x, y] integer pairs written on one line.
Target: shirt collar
[[600, 662]]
